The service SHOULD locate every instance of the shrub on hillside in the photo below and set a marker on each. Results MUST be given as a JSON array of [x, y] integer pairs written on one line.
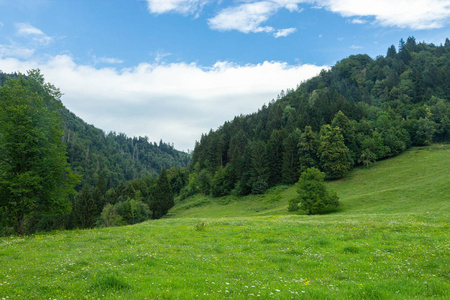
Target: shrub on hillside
[[313, 195]]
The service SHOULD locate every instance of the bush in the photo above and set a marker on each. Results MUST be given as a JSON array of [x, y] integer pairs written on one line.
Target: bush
[[259, 187], [133, 211], [109, 217], [313, 195]]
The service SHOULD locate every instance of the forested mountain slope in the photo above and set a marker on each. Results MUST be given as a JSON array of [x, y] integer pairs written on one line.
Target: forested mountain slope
[[359, 111], [123, 180], [119, 158]]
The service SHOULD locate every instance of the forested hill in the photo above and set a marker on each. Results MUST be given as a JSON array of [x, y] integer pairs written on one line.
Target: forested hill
[[360, 110], [117, 157]]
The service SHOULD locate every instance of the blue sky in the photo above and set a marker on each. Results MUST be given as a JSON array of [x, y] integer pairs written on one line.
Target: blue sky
[[173, 69]]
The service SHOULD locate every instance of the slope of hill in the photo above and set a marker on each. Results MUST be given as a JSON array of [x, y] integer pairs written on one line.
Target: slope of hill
[[413, 182], [117, 157], [361, 110], [389, 241]]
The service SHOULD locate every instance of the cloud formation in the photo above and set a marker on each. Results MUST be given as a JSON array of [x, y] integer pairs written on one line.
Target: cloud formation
[[107, 60], [26, 30], [174, 102], [177, 6], [249, 16], [414, 14]]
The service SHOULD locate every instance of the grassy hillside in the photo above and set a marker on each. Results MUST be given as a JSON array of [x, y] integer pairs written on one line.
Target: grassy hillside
[[414, 182], [389, 241]]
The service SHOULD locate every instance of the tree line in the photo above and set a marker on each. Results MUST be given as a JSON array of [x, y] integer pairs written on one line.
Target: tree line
[[57, 172], [359, 111]]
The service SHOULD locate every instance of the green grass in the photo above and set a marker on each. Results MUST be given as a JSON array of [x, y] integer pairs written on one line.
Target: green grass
[[390, 240]]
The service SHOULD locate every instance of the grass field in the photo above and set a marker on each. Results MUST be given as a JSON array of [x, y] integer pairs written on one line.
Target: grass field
[[390, 240]]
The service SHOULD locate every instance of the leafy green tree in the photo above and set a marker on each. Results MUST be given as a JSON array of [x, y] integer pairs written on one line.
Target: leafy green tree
[[109, 217], [424, 132], [204, 182], [313, 195], [333, 152], [367, 157], [223, 181], [133, 211], [34, 173]]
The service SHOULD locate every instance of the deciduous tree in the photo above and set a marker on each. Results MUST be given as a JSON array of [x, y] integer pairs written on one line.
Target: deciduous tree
[[34, 172]]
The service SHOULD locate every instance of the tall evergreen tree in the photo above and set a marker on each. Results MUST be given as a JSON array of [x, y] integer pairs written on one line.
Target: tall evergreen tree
[[341, 121], [85, 208], [333, 152], [162, 198], [291, 162], [260, 168], [275, 156], [308, 148]]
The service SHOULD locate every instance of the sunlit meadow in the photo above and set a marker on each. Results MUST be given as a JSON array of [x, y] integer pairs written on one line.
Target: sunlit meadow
[[390, 240]]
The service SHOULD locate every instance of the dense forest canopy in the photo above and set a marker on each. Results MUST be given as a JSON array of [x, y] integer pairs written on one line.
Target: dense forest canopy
[[114, 169], [359, 111], [120, 158]]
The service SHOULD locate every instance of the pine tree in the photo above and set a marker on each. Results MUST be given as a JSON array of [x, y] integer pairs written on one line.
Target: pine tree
[[291, 162], [333, 152], [85, 208], [308, 148], [275, 156], [162, 198]]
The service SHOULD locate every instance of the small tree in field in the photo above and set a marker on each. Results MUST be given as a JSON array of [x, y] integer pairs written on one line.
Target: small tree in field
[[313, 195]]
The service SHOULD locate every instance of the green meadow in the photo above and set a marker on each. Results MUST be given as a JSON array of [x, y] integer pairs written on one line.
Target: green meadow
[[389, 240]]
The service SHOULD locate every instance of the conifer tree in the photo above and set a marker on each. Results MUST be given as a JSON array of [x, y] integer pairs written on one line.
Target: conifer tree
[[162, 198], [308, 148], [291, 162], [333, 152]]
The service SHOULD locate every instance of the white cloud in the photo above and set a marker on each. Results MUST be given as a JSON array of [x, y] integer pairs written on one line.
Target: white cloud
[[160, 55], [246, 17], [414, 14], [355, 47], [249, 17], [174, 102], [358, 21], [177, 6], [25, 29], [16, 51], [107, 60], [284, 32]]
